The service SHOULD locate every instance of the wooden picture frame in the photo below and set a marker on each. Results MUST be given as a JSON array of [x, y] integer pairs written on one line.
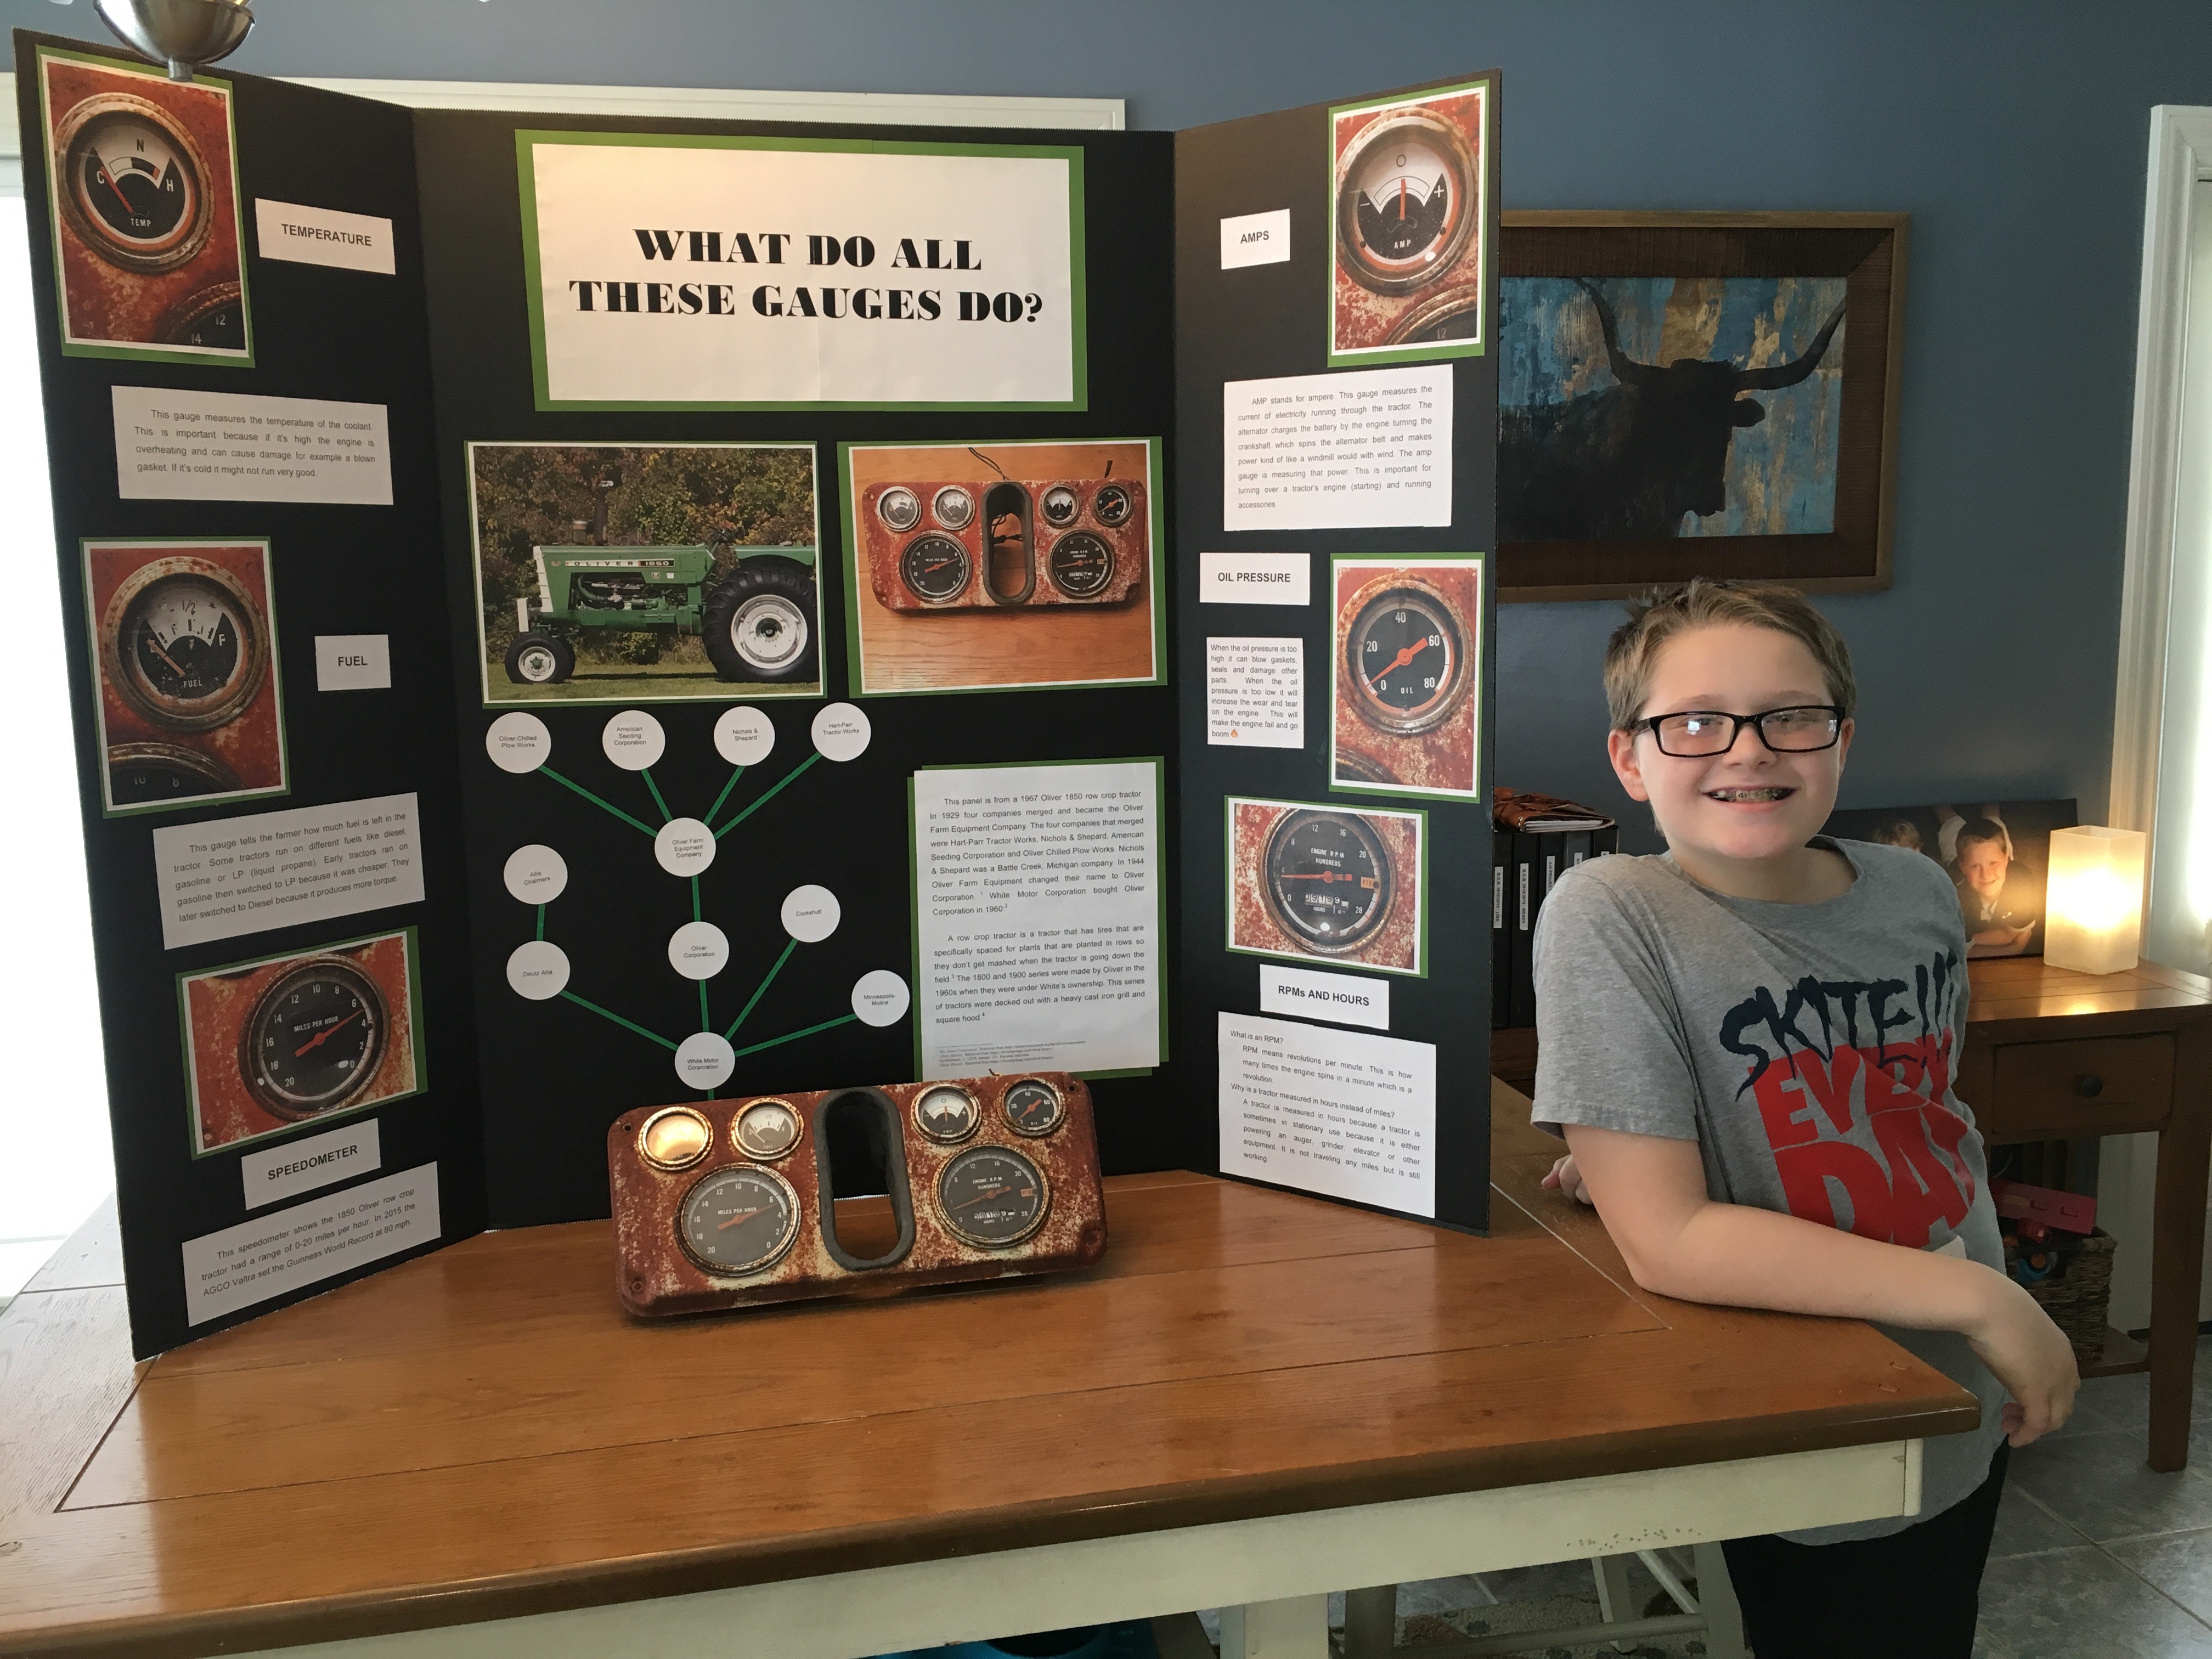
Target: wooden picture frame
[[1867, 251]]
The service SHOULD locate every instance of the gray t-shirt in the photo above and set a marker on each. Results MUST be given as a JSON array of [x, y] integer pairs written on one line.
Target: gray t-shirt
[[1809, 1050]]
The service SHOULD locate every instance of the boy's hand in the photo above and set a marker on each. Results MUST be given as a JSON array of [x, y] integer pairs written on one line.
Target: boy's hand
[[2030, 1356], [1569, 1180]]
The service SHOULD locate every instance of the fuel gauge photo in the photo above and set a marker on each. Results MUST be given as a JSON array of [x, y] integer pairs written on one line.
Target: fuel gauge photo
[[188, 639], [992, 1196]]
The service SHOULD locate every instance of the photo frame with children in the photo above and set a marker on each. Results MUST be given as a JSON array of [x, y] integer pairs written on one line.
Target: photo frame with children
[[1997, 855]]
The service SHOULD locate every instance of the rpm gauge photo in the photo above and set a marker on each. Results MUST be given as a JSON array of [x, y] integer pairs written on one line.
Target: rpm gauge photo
[[286, 1041], [1325, 882]]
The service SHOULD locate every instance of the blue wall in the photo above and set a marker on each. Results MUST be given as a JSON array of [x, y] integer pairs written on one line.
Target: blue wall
[[2015, 135]]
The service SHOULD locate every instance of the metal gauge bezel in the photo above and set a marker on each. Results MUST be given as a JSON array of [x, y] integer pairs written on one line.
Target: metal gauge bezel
[[1063, 494], [1279, 906], [121, 667], [900, 508], [1370, 602], [759, 1264], [1433, 130], [953, 506], [193, 228], [1089, 540], [991, 1148], [747, 1148], [675, 1114], [195, 308], [271, 1095], [1439, 308], [189, 763], [1059, 1107], [1111, 505], [921, 1123], [936, 541]]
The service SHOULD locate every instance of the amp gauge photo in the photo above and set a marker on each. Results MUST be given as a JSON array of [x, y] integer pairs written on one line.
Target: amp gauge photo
[[1406, 688], [1327, 882]]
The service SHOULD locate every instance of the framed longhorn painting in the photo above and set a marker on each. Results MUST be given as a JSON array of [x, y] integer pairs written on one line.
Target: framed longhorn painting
[[1697, 394]]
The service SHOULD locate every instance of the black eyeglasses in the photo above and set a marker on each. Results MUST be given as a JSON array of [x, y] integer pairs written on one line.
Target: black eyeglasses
[[1705, 732]]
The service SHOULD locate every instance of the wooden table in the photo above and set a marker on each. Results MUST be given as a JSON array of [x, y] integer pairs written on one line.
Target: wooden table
[[1254, 1400], [2053, 1054]]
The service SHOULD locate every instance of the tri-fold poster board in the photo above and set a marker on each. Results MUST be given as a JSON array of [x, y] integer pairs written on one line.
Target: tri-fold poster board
[[571, 615]]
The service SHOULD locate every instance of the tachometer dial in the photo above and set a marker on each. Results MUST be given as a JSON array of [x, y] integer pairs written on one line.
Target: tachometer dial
[[1033, 1107], [947, 1114], [1327, 879], [935, 567], [1080, 564], [1405, 201], [186, 646], [314, 1038], [953, 506], [134, 182], [992, 1196], [1059, 505], [900, 508], [737, 1220], [1405, 657]]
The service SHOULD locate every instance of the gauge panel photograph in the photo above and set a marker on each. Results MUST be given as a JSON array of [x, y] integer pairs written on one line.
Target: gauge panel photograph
[[285, 1041], [143, 171], [1407, 675], [723, 1205], [1327, 884], [1414, 225], [995, 566], [184, 648]]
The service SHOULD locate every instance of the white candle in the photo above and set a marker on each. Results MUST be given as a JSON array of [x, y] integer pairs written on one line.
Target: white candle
[[2093, 916]]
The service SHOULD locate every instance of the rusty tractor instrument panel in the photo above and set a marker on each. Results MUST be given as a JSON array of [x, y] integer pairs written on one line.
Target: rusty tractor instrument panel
[[1013, 544], [728, 1203]]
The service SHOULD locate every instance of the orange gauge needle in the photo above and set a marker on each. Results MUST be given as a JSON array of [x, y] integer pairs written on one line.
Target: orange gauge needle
[[742, 1215], [324, 1036], [1399, 661], [164, 656], [1401, 201], [992, 1193]]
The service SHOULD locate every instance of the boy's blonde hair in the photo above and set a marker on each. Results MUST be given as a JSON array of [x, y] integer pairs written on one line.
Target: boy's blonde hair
[[1664, 612]]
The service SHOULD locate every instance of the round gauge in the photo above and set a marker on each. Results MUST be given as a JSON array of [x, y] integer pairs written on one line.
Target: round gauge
[[1363, 769], [992, 1196], [953, 506], [946, 1113], [1327, 880], [674, 1138], [1453, 315], [935, 567], [134, 182], [1033, 1107], [147, 773], [737, 1220], [181, 643], [1406, 655], [314, 1038], [1080, 564], [1059, 505], [1405, 201], [1110, 506], [900, 508], [766, 1128], [213, 319]]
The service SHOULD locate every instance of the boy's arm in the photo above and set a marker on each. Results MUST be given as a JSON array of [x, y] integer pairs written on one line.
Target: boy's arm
[[1677, 1242]]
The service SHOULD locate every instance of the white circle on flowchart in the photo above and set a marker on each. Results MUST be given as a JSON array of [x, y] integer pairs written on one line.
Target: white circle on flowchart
[[705, 1060], [810, 914], [538, 971], [518, 743], [536, 874], [633, 741], [840, 732], [743, 736], [880, 997], [698, 949], [684, 846]]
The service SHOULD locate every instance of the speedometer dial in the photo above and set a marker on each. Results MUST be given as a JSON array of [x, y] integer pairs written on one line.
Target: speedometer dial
[[934, 567], [737, 1220]]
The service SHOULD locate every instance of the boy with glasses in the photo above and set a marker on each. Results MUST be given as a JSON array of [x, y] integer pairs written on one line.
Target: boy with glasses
[[1748, 1042]]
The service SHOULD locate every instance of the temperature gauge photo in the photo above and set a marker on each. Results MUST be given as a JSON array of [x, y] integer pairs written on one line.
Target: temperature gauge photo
[[737, 1220], [992, 1196], [136, 184]]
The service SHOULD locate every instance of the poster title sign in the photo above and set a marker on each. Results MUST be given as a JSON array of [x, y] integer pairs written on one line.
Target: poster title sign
[[737, 273]]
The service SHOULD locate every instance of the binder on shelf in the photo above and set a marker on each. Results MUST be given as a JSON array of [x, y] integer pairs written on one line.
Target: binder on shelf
[[1539, 839]]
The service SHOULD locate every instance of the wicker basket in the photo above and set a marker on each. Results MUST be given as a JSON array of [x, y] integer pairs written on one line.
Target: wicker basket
[[2078, 1295]]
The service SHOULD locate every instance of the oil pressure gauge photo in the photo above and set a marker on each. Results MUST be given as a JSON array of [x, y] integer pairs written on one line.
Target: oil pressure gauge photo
[[992, 1196], [1406, 660], [1406, 201], [1033, 1107], [183, 643], [314, 1039], [1327, 880], [737, 1220], [934, 567], [136, 183]]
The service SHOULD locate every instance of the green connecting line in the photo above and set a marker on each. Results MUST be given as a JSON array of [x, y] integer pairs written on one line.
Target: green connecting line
[[541, 921], [769, 795], [761, 991], [695, 914], [725, 795], [595, 800], [666, 815], [793, 1037], [630, 1025], [704, 1022]]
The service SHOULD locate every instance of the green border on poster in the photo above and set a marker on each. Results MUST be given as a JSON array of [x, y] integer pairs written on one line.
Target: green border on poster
[[1158, 764], [754, 692], [185, 803], [416, 1039], [1078, 323], [1411, 561], [1306, 958], [848, 512], [1486, 255], [117, 351]]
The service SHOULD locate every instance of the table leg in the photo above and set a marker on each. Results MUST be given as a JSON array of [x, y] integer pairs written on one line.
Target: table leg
[[2177, 1259], [1717, 1601], [1370, 1622], [1296, 1627]]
